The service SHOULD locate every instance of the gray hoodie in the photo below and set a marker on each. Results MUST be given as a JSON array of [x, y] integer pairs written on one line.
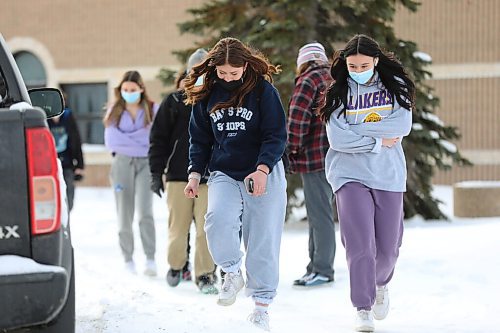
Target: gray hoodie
[[356, 153]]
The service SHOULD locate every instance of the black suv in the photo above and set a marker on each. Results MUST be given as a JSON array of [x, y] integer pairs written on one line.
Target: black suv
[[37, 276]]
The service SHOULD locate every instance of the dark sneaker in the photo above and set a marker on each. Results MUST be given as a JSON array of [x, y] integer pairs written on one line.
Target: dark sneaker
[[314, 280], [206, 285], [186, 272], [222, 276], [173, 277], [300, 281]]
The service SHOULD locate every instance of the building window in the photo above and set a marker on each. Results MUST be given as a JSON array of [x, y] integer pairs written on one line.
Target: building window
[[32, 69], [87, 101]]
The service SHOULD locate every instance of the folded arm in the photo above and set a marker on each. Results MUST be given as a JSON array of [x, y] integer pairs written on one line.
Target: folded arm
[[343, 139], [397, 124]]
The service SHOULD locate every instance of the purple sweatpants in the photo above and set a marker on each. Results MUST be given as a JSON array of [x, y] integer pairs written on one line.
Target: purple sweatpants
[[371, 229]]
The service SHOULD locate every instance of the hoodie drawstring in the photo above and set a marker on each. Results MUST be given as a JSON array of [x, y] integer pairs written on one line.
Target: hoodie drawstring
[[357, 97]]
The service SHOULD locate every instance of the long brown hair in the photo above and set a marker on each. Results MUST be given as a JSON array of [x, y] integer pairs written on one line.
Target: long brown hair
[[118, 107], [233, 52]]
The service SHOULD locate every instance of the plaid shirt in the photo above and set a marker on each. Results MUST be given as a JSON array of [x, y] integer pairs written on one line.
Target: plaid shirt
[[307, 140]]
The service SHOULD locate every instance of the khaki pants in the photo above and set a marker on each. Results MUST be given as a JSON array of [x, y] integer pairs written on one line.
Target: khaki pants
[[182, 211]]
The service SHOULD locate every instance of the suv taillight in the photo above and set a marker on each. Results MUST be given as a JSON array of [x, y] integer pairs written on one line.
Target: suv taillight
[[43, 181]]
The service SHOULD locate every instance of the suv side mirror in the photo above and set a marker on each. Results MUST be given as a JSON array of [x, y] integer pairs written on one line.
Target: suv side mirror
[[49, 99]]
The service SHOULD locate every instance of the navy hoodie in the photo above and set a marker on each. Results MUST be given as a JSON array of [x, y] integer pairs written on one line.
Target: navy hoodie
[[237, 139]]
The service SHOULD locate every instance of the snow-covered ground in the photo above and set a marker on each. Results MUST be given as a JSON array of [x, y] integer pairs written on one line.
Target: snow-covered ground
[[446, 281]]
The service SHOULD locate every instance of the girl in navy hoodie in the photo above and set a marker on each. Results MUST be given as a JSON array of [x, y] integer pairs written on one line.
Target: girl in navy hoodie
[[238, 134]]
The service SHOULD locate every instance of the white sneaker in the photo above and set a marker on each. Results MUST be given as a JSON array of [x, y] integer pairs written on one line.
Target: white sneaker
[[381, 307], [233, 282], [130, 267], [364, 321], [260, 319], [150, 269]]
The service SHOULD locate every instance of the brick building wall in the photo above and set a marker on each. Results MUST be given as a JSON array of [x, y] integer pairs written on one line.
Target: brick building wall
[[97, 41], [462, 38]]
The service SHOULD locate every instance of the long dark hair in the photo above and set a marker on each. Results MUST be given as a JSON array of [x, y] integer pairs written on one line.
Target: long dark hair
[[233, 52], [390, 70]]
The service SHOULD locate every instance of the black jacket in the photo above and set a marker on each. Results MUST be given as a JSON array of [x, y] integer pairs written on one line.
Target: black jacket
[[169, 138], [67, 140]]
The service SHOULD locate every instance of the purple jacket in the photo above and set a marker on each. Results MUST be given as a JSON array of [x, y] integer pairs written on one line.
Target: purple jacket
[[130, 138]]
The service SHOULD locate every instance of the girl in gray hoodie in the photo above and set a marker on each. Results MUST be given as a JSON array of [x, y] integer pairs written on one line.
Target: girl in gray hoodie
[[368, 111]]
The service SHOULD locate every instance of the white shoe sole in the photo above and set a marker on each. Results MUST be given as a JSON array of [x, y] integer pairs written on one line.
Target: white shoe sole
[[131, 271], [380, 317], [226, 302], [150, 273], [365, 329], [259, 327]]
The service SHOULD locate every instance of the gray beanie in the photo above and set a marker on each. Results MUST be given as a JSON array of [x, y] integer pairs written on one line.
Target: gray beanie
[[195, 58]]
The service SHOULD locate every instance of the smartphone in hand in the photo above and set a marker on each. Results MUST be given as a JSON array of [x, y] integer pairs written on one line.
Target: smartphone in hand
[[249, 185]]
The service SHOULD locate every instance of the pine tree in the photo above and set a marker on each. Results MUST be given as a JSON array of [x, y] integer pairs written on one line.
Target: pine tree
[[279, 27]]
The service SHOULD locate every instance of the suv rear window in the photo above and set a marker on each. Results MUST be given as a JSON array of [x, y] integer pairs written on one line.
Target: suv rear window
[[3, 90]]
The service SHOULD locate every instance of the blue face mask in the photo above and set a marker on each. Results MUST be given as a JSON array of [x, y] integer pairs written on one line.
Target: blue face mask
[[362, 77], [199, 81], [131, 97]]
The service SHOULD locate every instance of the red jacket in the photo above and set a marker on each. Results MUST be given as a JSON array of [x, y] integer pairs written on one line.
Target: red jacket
[[307, 140]]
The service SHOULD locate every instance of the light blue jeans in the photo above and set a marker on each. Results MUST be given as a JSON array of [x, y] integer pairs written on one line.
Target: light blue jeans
[[261, 220]]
